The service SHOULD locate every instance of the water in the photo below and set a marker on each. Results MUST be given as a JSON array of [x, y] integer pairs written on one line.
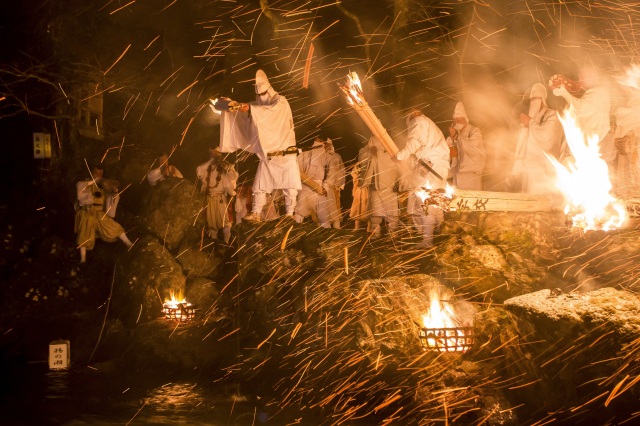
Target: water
[[32, 395]]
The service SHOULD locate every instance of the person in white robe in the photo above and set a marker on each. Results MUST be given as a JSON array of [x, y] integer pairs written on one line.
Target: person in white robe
[[627, 131], [466, 140], [425, 142], [265, 127], [163, 171], [380, 174], [218, 182], [540, 133], [334, 183], [313, 199], [592, 111]]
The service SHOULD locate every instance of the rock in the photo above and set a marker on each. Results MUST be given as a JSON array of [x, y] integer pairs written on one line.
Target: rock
[[565, 353], [171, 209], [196, 262], [144, 279], [203, 293], [557, 314]]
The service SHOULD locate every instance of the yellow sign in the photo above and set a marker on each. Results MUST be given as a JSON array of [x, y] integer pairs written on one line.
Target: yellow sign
[[59, 355], [41, 145]]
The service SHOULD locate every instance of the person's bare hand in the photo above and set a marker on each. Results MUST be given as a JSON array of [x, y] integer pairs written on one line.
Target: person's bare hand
[[244, 107], [453, 132], [525, 119]]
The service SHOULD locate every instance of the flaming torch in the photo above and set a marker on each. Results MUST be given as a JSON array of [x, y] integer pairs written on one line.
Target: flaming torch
[[177, 308], [585, 183], [353, 89]]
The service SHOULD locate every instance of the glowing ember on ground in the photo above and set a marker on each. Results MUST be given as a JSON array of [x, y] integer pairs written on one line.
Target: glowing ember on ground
[[443, 331], [585, 183], [177, 308]]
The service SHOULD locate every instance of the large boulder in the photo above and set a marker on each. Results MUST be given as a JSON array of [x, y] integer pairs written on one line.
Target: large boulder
[[172, 209], [144, 280], [571, 354]]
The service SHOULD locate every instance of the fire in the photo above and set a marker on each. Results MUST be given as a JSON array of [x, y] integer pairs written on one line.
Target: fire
[[443, 331], [437, 197], [175, 298], [440, 313], [177, 308], [585, 183], [353, 89]]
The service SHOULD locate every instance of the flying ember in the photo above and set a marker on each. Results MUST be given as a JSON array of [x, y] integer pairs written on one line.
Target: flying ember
[[585, 183]]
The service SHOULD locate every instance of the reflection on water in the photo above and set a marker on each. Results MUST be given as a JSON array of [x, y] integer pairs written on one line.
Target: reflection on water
[[36, 396]]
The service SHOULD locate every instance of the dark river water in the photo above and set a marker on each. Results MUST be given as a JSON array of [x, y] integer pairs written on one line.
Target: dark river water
[[33, 395]]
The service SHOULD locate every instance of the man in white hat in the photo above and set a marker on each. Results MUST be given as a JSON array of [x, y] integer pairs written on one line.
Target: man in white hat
[[425, 142], [541, 133], [312, 199], [218, 180], [334, 183], [467, 151], [265, 128], [380, 174]]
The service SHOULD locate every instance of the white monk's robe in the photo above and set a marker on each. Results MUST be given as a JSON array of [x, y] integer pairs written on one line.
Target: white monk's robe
[[467, 173], [627, 178], [219, 183], [544, 135], [592, 111], [333, 184], [267, 128], [426, 141]]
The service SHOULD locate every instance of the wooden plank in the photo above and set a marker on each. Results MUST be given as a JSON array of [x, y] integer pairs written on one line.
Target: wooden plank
[[501, 201]]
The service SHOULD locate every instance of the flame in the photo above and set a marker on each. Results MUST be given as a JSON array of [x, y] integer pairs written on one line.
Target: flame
[[443, 330], [425, 192], [439, 315], [353, 89], [176, 298], [585, 183]]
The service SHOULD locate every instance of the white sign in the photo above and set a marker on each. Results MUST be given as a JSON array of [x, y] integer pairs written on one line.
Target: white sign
[[59, 355], [41, 145]]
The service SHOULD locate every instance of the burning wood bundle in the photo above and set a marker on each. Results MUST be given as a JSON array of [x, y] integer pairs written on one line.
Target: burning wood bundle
[[355, 97]]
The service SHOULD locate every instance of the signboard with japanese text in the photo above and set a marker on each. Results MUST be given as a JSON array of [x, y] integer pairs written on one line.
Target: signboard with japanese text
[[59, 355], [41, 145]]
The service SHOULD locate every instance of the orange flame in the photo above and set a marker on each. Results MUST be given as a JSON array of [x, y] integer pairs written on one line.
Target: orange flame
[[176, 298], [353, 89], [585, 183]]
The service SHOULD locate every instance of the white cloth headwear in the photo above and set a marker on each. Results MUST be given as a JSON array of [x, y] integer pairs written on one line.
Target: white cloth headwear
[[539, 91], [262, 84], [459, 111], [330, 147]]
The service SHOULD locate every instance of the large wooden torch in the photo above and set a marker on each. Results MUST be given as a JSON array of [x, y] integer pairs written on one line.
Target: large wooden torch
[[353, 89]]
